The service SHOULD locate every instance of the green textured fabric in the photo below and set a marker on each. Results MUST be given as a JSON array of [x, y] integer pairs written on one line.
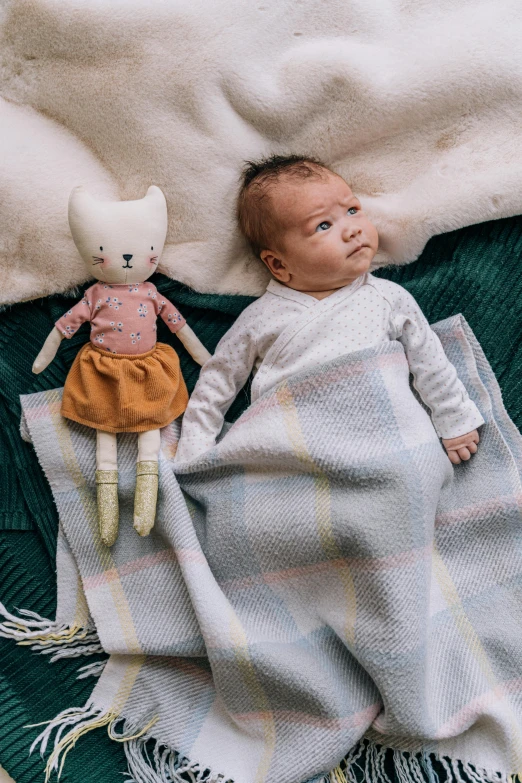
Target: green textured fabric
[[474, 271]]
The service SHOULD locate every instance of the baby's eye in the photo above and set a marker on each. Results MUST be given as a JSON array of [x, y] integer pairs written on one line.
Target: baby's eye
[[353, 211], [324, 226]]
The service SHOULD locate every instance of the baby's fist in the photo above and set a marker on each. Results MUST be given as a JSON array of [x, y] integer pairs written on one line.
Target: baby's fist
[[462, 447]]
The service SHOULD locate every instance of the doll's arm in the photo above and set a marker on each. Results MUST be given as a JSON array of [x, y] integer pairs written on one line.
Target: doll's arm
[[66, 326], [193, 344], [48, 352], [178, 326]]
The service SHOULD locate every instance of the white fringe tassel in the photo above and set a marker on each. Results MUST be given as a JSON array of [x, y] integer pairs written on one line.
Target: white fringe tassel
[[91, 669], [165, 766], [160, 764], [79, 720], [411, 768], [47, 636]]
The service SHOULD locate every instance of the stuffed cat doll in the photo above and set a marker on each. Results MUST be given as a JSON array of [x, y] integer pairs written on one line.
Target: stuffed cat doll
[[123, 380]]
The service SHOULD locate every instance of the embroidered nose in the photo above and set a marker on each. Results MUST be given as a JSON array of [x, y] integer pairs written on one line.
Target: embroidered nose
[[127, 257]]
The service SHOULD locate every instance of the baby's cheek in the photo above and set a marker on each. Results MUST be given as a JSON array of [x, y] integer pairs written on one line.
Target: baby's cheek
[[331, 263], [373, 235]]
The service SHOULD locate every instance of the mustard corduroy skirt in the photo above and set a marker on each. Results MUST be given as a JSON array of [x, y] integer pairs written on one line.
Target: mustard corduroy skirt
[[124, 392]]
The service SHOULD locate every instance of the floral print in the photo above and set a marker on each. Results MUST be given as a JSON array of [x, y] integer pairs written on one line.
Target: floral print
[[113, 301], [174, 317], [134, 329]]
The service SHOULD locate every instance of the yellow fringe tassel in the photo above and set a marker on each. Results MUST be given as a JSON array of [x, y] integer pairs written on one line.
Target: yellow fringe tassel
[[336, 776], [134, 736], [68, 742], [62, 636]]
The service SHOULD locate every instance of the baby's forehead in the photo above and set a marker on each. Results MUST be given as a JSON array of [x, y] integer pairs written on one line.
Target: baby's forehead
[[292, 198]]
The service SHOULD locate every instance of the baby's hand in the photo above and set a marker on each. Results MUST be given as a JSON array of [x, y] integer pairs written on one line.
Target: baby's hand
[[462, 447]]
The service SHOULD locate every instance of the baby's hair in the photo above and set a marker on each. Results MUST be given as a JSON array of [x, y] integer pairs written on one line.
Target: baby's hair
[[257, 220]]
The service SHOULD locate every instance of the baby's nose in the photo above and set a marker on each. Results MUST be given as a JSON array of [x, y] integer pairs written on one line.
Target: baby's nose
[[127, 257], [350, 231]]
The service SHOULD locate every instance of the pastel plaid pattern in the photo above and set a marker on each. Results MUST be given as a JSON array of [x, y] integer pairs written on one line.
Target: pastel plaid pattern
[[323, 574]]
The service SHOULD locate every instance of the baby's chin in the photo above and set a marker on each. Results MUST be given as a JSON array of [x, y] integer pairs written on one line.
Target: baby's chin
[[339, 281], [358, 263]]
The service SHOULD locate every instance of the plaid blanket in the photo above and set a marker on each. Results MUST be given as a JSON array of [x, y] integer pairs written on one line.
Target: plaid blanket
[[323, 574]]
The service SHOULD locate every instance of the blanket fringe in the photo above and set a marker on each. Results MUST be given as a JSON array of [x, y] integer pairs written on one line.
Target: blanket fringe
[[59, 640], [92, 669], [80, 720], [150, 761], [160, 764], [407, 768], [165, 766]]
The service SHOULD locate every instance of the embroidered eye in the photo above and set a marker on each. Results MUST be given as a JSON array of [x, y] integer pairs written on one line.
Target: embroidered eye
[[152, 248], [101, 248]]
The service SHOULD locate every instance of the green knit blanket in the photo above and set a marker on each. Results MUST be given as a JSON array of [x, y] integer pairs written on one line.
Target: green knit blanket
[[473, 271]]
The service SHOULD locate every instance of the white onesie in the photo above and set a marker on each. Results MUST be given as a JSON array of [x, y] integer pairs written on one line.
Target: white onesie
[[286, 331]]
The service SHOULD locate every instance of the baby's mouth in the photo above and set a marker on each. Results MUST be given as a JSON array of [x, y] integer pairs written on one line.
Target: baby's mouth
[[356, 250]]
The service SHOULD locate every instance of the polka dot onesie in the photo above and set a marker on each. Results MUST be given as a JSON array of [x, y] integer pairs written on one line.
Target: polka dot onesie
[[286, 331]]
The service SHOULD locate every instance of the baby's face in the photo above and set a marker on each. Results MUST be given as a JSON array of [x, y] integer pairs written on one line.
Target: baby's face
[[326, 242]]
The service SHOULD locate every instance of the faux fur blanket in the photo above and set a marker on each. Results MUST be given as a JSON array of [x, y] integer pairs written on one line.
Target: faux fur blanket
[[326, 575], [416, 104]]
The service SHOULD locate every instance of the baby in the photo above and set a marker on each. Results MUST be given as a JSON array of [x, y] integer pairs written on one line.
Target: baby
[[307, 226]]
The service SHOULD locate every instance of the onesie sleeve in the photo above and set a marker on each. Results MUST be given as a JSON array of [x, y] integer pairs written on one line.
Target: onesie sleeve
[[170, 314], [70, 321], [221, 378], [453, 413]]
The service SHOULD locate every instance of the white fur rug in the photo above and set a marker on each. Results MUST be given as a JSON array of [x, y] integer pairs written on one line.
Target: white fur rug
[[417, 104]]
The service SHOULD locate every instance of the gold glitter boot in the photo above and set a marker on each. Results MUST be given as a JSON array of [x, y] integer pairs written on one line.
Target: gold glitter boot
[[145, 496], [107, 499]]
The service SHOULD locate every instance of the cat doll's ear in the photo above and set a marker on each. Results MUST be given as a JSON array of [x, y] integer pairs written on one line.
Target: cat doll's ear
[[80, 196], [156, 204], [155, 198], [80, 202], [155, 193]]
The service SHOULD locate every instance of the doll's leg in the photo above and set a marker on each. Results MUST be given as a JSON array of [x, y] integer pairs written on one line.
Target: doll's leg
[[107, 486], [146, 481]]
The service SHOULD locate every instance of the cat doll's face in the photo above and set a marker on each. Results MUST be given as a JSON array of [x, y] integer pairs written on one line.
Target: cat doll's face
[[120, 241]]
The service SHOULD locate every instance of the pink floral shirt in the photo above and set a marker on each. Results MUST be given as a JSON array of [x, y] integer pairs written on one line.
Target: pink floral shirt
[[123, 317]]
